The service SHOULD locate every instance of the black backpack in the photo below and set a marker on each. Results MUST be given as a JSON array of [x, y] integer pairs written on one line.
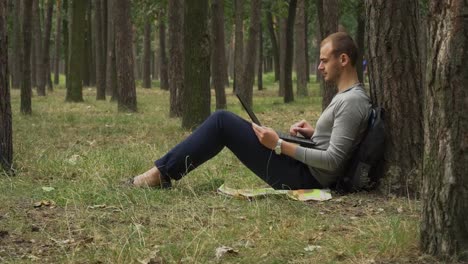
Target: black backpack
[[364, 169]]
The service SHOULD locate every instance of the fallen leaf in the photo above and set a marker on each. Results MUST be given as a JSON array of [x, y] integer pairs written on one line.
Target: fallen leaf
[[223, 250], [400, 210], [97, 206], [44, 203], [311, 248], [73, 159], [47, 189]]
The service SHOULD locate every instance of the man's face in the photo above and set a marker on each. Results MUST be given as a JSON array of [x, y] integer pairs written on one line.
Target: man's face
[[329, 65]]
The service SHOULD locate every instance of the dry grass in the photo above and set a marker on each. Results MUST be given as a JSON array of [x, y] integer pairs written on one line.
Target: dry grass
[[83, 150]]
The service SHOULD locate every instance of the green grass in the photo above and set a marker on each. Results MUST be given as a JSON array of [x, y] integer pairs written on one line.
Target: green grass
[[83, 150]]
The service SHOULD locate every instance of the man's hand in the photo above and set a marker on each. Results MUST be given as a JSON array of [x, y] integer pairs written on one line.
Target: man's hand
[[303, 128], [266, 136]]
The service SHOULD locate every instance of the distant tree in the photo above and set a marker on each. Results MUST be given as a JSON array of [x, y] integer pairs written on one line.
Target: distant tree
[[17, 46], [76, 51], [282, 54], [36, 58], [66, 40], [274, 43], [89, 73], [147, 54], [260, 57], [444, 225], [127, 101], [58, 42], [196, 105], [44, 70], [218, 64], [288, 49], [6, 140], [26, 58], [176, 58], [111, 71], [248, 73], [300, 50], [239, 43], [100, 52], [162, 52], [397, 85], [328, 16]]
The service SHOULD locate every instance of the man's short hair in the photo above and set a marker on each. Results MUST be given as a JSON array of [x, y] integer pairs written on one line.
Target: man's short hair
[[342, 43]]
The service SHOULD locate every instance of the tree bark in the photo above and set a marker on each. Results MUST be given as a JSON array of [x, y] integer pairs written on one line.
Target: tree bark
[[392, 34], [274, 44], [300, 50], [282, 55], [260, 57], [111, 74], [100, 56], [360, 31], [44, 71], [58, 42], [66, 37], [17, 46], [127, 101], [162, 49], [147, 54], [6, 131], [26, 58], [176, 61], [248, 74], [196, 106], [219, 53], [327, 14], [76, 51], [444, 225], [89, 70], [239, 43], [288, 86], [38, 79]]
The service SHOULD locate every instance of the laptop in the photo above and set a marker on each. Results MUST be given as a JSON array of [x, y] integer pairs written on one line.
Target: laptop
[[304, 142]]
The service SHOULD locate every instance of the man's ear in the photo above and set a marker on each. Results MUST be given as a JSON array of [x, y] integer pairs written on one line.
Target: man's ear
[[344, 59]]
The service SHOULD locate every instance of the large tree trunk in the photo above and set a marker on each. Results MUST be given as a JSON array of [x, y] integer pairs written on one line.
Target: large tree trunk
[[111, 74], [17, 71], [6, 132], [58, 42], [196, 106], [219, 53], [300, 50], [360, 31], [127, 100], [100, 56], [44, 71], [162, 53], [328, 16], [176, 61], [239, 43], [147, 54], [444, 224], [288, 85], [248, 74], [76, 51], [396, 85], [38, 79], [26, 58], [274, 44]]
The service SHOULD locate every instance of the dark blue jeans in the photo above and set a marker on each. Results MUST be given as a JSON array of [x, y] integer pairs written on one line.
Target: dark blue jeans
[[225, 129]]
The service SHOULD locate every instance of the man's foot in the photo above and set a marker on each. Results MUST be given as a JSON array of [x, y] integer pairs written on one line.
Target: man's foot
[[151, 178]]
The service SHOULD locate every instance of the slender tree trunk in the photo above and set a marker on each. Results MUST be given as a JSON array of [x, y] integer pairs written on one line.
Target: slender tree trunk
[[196, 106], [147, 54], [100, 65], [66, 38], [17, 46], [91, 48], [219, 55], [282, 55], [306, 40], [111, 74], [34, 57], [44, 71], [328, 16], [38, 67], [289, 50], [87, 72], [248, 75], [444, 225], [392, 34], [274, 44], [239, 43], [162, 55], [361, 24], [260, 58], [176, 61], [77, 51], [127, 101], [6, 132], [26, 58], [58, 42], [104, 17], [300, 50]]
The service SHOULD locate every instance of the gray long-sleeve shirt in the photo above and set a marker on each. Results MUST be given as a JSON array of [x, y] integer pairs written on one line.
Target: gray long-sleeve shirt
[[337, 133]]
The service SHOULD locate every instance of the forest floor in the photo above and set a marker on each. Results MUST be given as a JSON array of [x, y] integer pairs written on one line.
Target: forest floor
[[66, 204]]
